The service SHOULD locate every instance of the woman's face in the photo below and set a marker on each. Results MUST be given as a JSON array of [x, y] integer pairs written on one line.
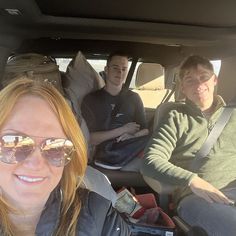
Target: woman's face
[[31, 181]]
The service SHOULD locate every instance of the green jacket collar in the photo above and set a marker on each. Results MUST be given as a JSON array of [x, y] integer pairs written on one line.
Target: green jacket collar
[[195, 110]]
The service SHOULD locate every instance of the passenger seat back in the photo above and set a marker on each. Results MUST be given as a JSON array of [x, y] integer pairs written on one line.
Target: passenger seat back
[[161, 111], [150, 84]]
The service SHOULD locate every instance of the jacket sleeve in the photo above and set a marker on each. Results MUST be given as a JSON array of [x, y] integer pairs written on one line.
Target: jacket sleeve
[[108, 220], [161, 146]]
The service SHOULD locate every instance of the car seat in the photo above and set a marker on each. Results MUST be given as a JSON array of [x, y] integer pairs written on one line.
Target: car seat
[[150, 84], [163, 189]]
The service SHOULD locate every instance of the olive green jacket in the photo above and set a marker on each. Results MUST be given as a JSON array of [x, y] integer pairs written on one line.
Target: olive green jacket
[[172, 148]]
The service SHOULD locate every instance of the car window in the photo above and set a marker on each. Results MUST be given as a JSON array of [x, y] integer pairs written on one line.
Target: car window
[[132, 83], [217, 66], [97, 64], [63, 63]]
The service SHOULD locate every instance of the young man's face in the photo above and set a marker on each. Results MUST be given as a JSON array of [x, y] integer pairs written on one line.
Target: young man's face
[[198, 85], [116, 70]]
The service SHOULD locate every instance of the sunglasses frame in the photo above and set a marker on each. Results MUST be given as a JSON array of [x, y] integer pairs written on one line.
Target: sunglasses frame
[[30, 142]]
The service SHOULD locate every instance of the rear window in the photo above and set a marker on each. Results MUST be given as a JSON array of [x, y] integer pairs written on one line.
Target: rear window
[[216, 65], [97, 64]]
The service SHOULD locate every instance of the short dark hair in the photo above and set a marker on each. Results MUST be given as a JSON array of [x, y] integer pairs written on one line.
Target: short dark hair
[[192, 62], [116, 53]]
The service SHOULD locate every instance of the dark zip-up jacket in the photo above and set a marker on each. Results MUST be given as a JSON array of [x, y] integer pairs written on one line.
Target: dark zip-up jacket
[[97, 217]]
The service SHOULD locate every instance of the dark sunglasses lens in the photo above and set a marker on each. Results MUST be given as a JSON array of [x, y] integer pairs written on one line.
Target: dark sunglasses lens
[[57, 151], [15, 148]]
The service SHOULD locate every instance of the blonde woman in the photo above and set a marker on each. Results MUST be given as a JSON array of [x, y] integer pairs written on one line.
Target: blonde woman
[[42, 161]]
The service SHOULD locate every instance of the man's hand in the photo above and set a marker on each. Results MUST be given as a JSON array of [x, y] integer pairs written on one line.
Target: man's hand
[[124, 136], [101, 136], [131, 128], [205, 190]]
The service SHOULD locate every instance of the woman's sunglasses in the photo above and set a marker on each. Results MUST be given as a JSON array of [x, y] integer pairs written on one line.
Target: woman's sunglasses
[[15, 148]]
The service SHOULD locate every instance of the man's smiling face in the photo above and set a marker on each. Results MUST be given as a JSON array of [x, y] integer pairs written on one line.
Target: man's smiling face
[[198, 85]]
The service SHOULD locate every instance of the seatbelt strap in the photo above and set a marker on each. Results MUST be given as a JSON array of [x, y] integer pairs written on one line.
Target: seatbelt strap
[[168, 94], [215, 132], [121, 100]]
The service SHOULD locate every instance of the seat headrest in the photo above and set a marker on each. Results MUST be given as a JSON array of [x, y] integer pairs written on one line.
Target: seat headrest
[[150, 76]]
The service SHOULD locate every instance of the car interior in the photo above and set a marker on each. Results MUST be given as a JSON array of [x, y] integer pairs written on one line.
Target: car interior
[[157, 36]]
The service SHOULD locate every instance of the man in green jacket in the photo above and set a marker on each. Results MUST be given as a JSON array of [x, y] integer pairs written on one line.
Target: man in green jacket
[[206, 187]]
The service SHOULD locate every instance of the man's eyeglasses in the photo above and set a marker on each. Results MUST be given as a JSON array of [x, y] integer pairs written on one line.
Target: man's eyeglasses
[[15, 148]]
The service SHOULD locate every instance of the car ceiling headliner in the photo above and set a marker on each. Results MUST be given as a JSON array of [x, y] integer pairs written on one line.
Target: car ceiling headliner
[[177, 23], [208, 13]]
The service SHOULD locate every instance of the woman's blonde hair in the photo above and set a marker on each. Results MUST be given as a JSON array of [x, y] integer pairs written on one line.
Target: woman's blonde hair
[[73, 171]]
